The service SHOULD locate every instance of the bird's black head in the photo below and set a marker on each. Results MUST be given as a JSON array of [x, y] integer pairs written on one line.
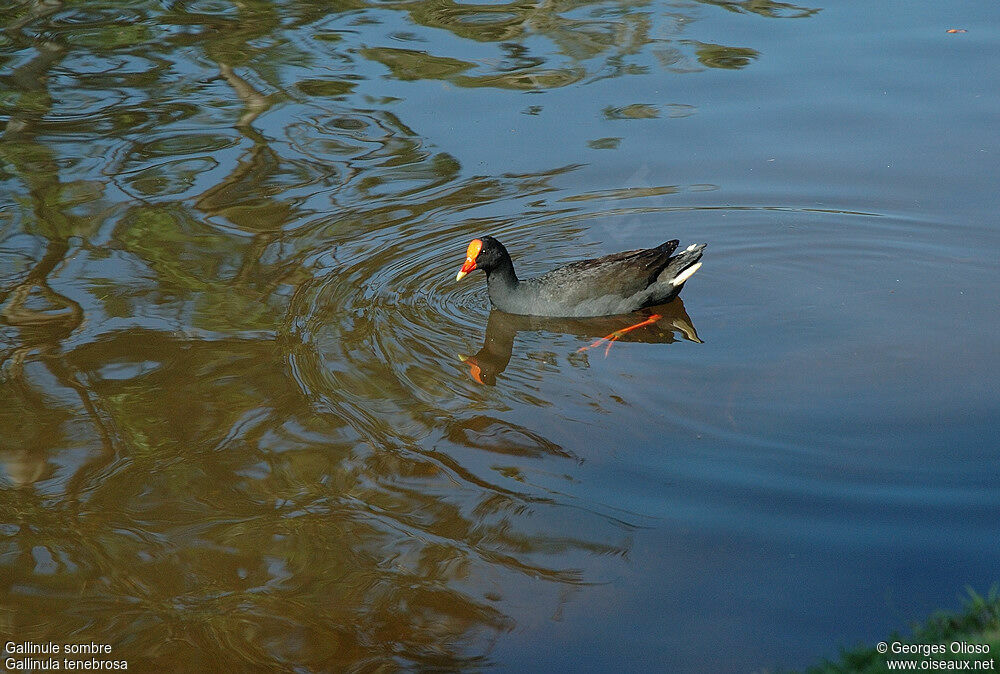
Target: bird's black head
[[486, 253]]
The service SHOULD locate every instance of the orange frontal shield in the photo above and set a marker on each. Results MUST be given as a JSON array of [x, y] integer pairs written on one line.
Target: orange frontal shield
[[470, 258]]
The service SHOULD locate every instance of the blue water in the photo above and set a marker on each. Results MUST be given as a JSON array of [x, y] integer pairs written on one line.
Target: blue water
[[235, 417]]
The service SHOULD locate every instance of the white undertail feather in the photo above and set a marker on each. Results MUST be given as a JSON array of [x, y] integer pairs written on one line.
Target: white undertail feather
[[686, 274]]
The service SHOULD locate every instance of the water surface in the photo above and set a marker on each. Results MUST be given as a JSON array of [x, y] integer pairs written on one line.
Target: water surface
[[240, 424]]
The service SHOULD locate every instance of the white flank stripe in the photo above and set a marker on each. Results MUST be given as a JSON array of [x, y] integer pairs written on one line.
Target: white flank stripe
[[686, 274]]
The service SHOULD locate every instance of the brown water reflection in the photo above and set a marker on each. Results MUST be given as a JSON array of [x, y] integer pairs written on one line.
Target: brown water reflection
[[222, 528], [234, 431], [227, 519], [204, 466]]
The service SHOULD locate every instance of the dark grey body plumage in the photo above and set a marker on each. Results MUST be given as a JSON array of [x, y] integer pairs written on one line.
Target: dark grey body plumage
[[614, 284]]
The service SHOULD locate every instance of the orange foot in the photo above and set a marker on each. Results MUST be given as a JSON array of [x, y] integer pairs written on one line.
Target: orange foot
[[610, 339], [474, 370]]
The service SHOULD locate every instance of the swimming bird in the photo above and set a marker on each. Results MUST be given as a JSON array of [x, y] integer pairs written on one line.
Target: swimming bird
[[604, 286]]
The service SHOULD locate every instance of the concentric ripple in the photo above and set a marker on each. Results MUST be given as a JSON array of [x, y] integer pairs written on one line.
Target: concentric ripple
[[389, 311]]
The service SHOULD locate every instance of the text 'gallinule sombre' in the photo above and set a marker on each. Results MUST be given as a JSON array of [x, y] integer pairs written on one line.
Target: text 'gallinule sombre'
[[614, 284]]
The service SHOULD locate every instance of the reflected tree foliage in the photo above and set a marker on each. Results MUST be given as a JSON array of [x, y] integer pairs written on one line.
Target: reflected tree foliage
[[608, 43], [229, 438], [768, 8], [718, 56]]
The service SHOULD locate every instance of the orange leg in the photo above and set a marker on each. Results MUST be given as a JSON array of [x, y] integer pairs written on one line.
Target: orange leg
[[474, 370], [610, 339]]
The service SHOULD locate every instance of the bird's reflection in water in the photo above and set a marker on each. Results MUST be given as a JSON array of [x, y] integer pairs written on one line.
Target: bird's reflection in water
[[663, 324]]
